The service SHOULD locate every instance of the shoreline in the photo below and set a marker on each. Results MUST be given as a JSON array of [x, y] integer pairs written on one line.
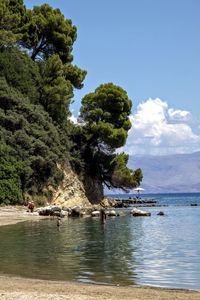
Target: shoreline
[[14, 288], [10, 215]]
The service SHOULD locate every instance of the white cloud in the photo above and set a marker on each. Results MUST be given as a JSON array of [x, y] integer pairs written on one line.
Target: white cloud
[[179, 115], [158, 129]]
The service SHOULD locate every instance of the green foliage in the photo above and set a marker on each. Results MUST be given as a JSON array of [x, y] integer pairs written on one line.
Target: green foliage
[[34, 140], [46, 32], [105, 115], [10, 170], [57, 85], [12, 13], [20, 72], [122, 176], [56, 91], [37, 82], [74, 75]]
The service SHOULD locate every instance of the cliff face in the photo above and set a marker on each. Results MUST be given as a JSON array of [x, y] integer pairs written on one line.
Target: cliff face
[[71, 191]]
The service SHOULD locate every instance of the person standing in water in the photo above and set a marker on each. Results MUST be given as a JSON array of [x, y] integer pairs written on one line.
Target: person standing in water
[[58, 221], [103, 216]]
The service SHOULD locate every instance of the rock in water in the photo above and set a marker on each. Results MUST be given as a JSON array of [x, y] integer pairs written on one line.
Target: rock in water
[[95, 213], [161, 213], [112, 213], [140, 213]]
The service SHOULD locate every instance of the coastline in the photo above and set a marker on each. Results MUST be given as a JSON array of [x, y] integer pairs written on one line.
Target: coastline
[[10, 215], [12, 288]]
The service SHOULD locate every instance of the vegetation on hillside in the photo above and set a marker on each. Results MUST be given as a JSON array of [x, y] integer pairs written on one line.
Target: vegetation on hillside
[[37, 82]]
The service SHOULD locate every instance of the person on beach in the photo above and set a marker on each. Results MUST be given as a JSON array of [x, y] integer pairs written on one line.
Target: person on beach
[[31, 206]]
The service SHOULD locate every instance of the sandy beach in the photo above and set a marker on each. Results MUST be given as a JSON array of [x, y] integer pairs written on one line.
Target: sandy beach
[[22, 288], [14, 214]]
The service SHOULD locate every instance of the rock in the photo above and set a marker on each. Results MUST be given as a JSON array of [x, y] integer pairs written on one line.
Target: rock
[[55, 208], [51, 211], [45, 211], [119, 204], [140, 213], [95, 213], [88, 211], [121, 214], [112, 213], [107, 202], [68, 209], [71, 192], [76, 211], [161, 213], [64, 213], [96, 207], [56, 213]]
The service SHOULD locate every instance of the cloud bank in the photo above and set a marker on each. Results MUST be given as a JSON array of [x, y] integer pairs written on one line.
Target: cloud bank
[[159, 130]]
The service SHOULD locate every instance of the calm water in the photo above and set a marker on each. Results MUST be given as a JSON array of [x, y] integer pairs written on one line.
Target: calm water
[[168, 199], [159, 251]]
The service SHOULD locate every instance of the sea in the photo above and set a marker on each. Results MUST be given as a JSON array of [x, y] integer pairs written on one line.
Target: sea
[[162, 251], [171, 199]]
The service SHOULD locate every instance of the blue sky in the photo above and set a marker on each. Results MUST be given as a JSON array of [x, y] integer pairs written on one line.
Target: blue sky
[[151, 48]]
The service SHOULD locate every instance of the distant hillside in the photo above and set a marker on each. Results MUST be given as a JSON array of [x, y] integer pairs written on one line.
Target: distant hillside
[[172, 173]]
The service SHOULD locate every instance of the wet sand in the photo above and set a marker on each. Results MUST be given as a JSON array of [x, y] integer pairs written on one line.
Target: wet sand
[[21, 288], [12, 288]]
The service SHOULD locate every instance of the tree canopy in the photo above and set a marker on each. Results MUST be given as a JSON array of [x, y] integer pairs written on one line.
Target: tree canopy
[[20, 72], [56, 92], [105, 115], [47, 32], [11, 18]]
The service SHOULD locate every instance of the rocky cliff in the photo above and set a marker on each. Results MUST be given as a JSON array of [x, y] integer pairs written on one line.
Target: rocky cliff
[[71, 191]]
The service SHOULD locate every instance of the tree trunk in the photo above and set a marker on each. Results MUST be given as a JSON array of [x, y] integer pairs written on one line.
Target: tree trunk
[[94, 189]]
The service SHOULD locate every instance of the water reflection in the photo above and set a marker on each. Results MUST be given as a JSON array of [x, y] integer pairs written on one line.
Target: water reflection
[[161, 251], [83, 250], [108, 250]]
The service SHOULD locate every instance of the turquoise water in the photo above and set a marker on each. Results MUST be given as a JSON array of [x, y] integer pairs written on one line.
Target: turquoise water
[[158, 250]]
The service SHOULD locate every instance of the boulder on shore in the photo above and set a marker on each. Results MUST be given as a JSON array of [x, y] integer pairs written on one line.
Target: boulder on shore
[[51, 211], [77, 211]]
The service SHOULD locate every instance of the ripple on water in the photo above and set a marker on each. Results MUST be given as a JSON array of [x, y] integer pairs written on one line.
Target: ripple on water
[[159, 251]]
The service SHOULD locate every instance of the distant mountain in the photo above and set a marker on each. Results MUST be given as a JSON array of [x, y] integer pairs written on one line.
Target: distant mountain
[[168, 174]]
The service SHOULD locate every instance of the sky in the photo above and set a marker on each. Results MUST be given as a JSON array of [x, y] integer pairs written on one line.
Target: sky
[[151, 48]]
